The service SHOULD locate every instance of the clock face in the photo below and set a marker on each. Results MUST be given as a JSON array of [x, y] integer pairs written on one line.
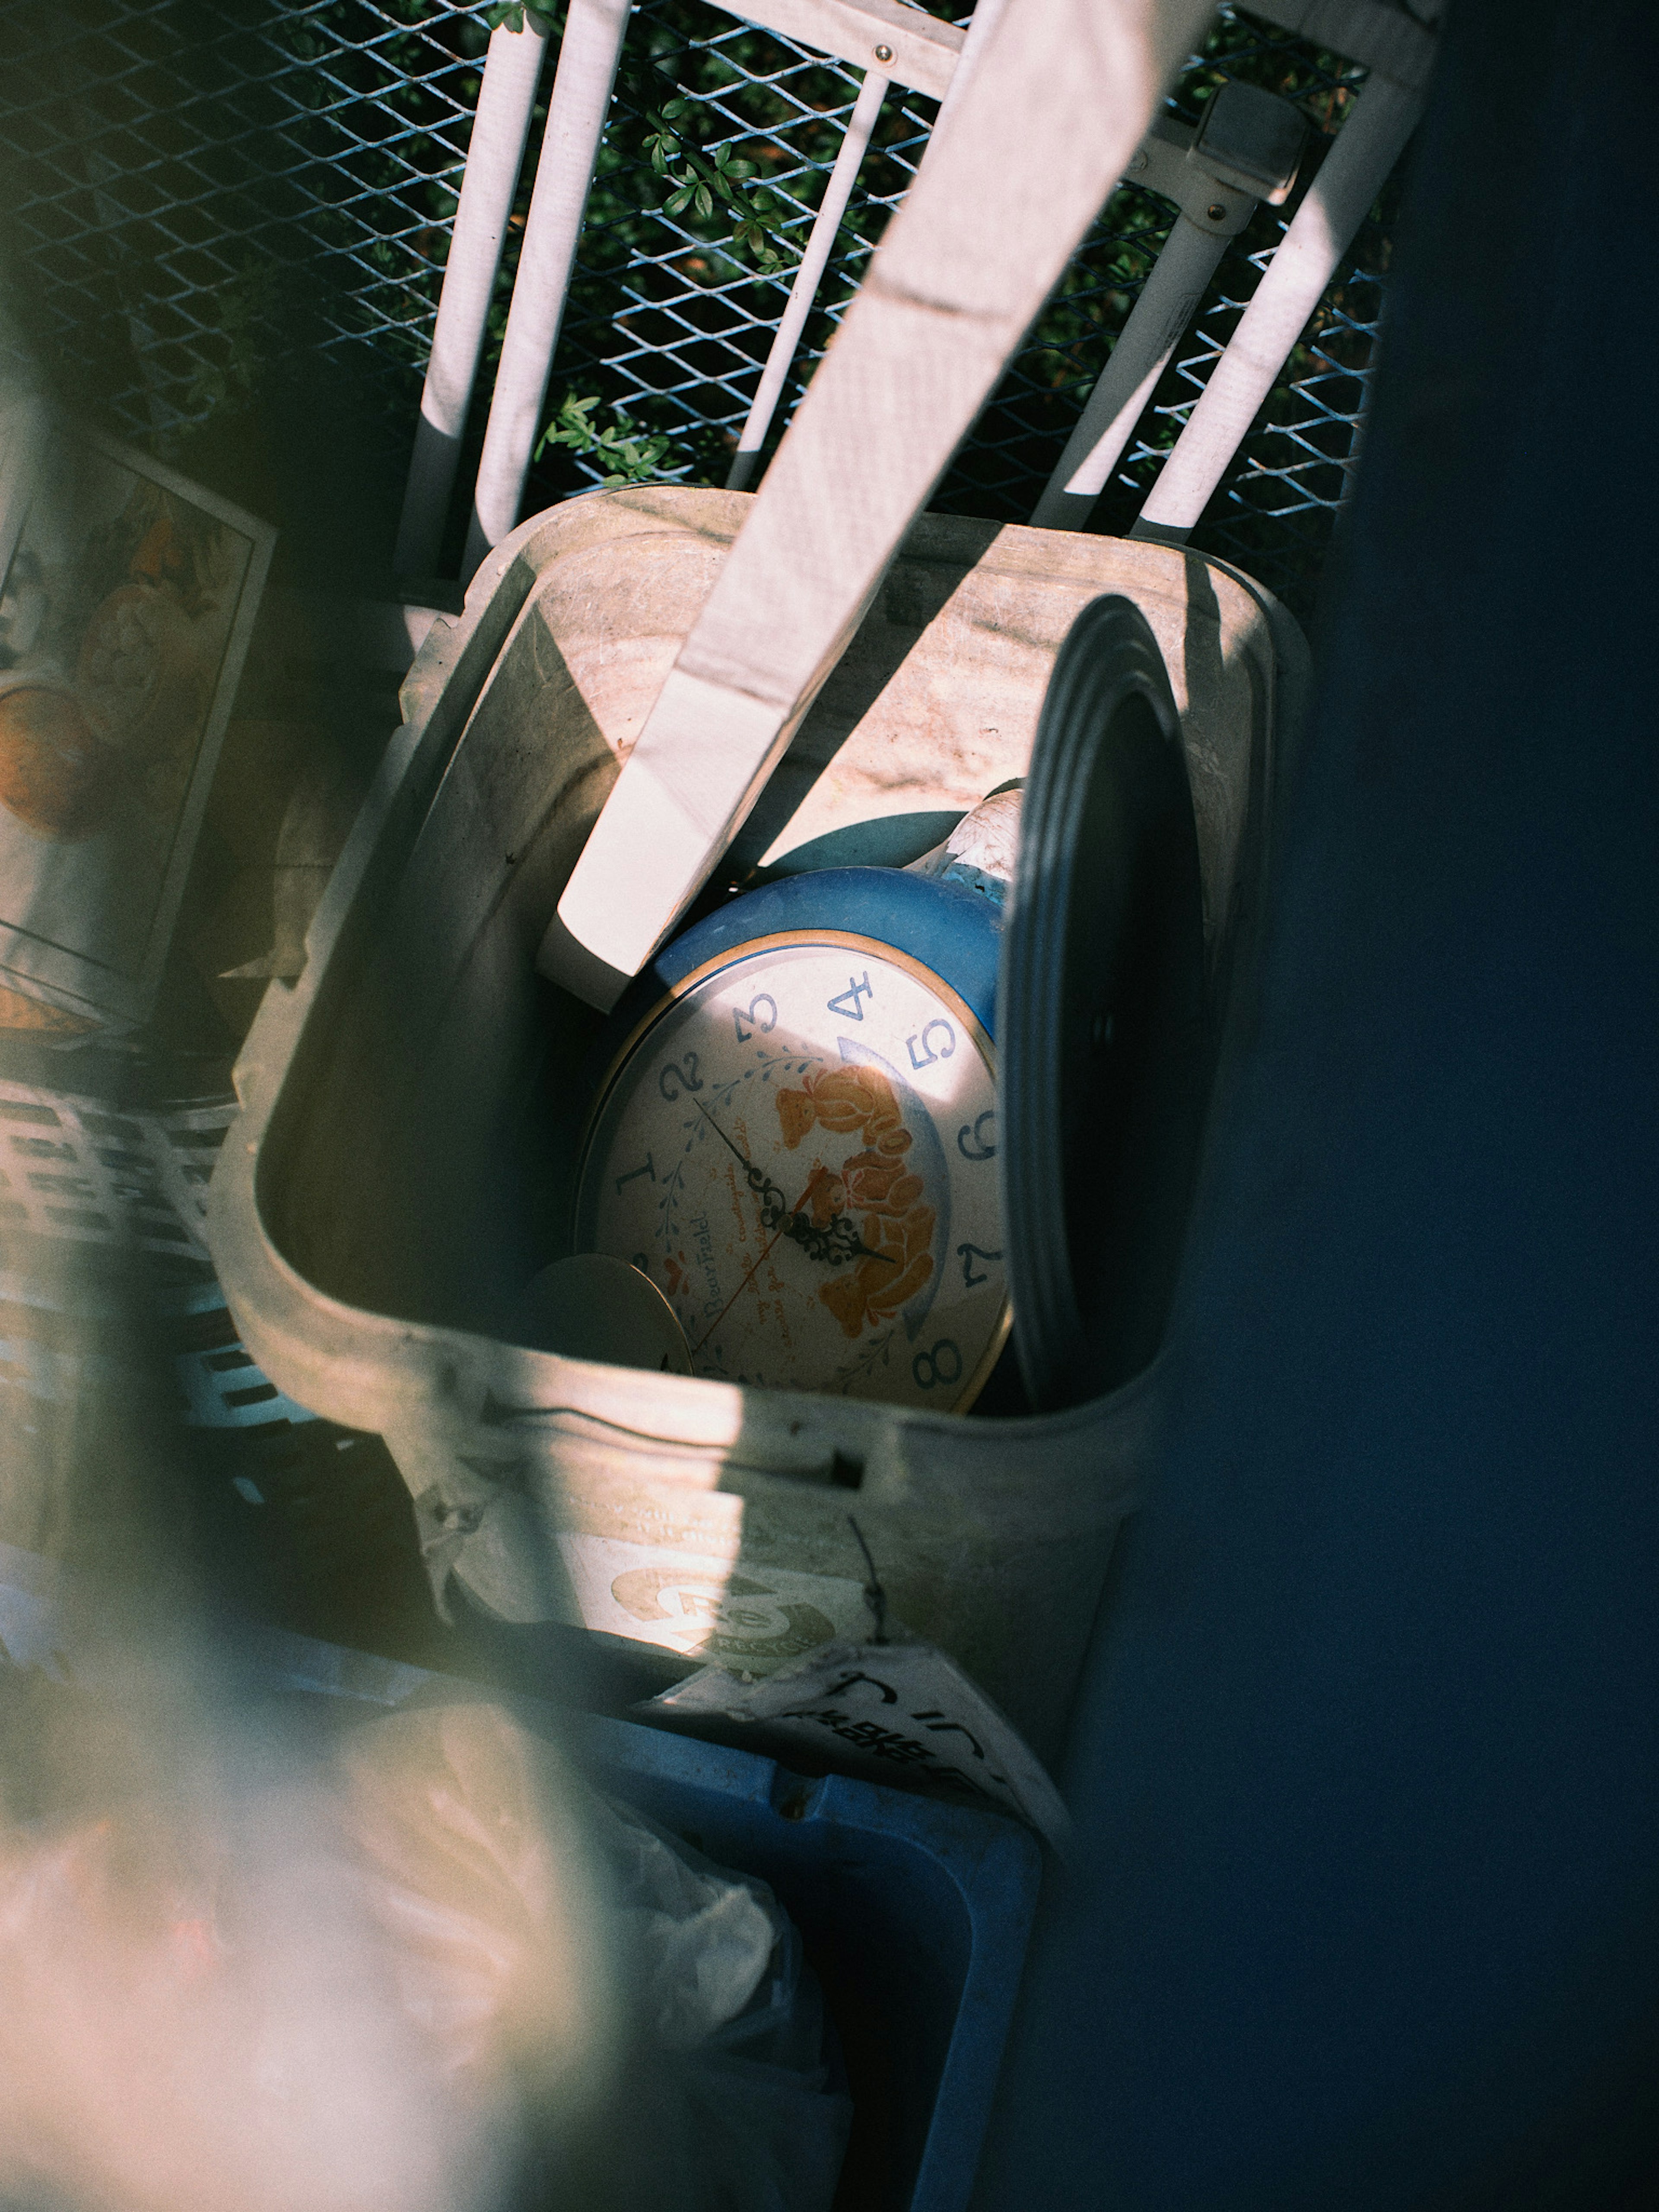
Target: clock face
[[798, 1148]]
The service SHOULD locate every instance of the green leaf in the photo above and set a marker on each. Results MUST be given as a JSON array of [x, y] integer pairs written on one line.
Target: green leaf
[[677, 202], [705, 200], [635, 457]]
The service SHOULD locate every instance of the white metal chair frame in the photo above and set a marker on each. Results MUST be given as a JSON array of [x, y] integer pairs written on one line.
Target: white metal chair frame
[[1044, 106], [893, 43]]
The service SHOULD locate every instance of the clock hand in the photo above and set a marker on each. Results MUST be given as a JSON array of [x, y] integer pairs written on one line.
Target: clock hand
[[762, 1185], [755, 1265], [733, 1300], [834, 1242]]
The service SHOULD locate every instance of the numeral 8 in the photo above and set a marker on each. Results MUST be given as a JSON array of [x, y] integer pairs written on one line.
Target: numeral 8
[[934, 1363]]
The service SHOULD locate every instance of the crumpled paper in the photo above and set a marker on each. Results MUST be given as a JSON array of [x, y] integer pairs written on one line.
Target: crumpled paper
[[897, 1713]]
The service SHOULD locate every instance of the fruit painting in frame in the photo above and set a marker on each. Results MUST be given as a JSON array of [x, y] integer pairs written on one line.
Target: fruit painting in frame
[[127, 600]]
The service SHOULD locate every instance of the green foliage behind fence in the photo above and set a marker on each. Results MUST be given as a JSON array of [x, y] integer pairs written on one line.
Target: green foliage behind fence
[[229, 217]]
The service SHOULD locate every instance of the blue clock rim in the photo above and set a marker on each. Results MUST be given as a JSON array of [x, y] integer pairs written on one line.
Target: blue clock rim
[[947, 931], [954, 933]]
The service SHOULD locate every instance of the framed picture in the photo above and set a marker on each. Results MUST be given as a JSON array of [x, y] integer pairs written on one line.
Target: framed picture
[[127, 600]]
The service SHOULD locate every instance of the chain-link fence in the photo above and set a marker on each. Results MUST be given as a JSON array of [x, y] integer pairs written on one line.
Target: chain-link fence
[[227, 223]]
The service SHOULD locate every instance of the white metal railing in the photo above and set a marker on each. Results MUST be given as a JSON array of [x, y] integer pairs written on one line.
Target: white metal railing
[[1045, 105], [1217, 179]]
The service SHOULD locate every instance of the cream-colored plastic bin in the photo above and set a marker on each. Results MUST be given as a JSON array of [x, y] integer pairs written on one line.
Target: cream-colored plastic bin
[[398, 1157]]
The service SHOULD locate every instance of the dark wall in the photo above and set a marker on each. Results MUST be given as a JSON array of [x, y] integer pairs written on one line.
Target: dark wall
[[1366, 1908]]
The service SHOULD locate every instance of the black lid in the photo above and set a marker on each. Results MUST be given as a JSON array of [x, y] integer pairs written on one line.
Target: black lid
[[1103, 1024]]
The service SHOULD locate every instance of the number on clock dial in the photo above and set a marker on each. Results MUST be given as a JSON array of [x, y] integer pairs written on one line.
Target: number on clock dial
[[825, 1221], [846, 1003]]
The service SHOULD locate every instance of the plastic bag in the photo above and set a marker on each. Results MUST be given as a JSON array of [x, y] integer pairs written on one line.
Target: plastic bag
[[723, 2097], [199, 2012], [759, 2119], [417, 1966], [482, 1873]]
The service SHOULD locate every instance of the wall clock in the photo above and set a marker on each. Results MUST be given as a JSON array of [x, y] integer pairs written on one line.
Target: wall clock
[[794, 1137]]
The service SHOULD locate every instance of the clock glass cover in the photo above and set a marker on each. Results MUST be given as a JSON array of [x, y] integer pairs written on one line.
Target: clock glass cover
[[798, 1145]]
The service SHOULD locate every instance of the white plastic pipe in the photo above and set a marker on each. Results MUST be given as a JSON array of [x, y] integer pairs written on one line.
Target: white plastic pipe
[[512, 69], [1168, 302], [981, 28], [589, 56], [808, 276], [1338, 201]]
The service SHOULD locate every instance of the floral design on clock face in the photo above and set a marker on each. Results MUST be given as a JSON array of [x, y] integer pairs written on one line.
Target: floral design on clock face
[[800, 1150], [896, 1224]]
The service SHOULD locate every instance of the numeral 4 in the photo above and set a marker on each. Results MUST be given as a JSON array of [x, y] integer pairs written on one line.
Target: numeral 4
[[846, 1003]]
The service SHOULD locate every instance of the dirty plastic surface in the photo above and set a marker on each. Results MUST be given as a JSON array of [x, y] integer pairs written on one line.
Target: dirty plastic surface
[[390, 1186]]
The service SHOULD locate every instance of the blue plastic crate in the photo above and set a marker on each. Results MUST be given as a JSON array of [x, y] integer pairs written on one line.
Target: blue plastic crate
[[915, 1915]]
